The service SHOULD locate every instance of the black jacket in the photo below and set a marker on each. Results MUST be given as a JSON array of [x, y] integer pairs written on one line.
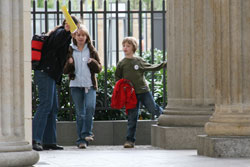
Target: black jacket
[[54, 53]]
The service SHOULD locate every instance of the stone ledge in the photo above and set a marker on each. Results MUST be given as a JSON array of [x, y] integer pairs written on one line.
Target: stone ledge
[[224, 147], [106, 132], [175, 138]]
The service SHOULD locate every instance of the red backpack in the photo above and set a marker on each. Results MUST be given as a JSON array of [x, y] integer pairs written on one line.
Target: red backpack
[[36, 49]]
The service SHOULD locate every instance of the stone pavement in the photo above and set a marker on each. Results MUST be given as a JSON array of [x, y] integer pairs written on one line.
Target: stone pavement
[[140, 156]]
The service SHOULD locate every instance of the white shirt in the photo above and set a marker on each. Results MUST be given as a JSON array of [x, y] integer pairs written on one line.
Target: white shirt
[[82, 72]]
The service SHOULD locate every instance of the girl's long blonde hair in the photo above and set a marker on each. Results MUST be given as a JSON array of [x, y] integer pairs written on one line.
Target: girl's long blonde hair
[[88, 40]]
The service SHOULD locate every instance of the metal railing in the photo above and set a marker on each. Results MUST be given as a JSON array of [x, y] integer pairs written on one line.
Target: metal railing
[[43, 19]]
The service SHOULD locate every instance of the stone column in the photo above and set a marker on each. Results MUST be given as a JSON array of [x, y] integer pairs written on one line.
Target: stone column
[[191, 84], [15, 84], [228, 130]]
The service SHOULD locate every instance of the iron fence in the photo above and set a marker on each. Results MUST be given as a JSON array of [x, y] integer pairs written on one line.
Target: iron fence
[[151, 24]]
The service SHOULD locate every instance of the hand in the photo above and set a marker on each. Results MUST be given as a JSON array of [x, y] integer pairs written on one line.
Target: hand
[[90, 59], [165, 64], [70, 60]]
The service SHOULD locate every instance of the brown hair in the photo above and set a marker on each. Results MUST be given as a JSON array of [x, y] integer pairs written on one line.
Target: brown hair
[[132, 41], [76, 21]]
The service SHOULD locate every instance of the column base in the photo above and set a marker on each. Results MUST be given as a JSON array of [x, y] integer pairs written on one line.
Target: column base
[[23, 158], [224, 147], [17, 154], [175, 137]]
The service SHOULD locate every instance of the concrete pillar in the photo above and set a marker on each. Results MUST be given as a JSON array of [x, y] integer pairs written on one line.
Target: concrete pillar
[[15, 84], [191, 83], [228, 130]]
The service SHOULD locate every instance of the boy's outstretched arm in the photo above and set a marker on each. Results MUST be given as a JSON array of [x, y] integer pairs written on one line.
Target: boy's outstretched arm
[[153, 67]]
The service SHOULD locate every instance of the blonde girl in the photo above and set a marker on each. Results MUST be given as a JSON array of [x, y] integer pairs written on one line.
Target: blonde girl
[[82, 65]]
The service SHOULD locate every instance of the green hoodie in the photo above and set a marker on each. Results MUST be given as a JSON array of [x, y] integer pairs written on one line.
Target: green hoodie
[[133, 69]]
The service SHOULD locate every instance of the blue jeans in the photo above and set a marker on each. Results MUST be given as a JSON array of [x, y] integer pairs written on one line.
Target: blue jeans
[[44, 122], [148, 101], [85, 110]]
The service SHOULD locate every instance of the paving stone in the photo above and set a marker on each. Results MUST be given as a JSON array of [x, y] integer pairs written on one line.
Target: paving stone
[[140, 156]]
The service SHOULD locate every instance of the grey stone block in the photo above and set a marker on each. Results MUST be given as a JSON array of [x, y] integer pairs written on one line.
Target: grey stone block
[[106, 132], [224, 147], [66, 133], [175, 137], [143, 133], [103, 131], [120, 131]]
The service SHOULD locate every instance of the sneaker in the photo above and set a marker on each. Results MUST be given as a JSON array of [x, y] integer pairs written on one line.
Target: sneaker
[[89, 138], [129, 144], [82, 146]]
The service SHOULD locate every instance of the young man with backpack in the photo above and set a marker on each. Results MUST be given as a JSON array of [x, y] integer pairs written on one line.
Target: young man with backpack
[[47, 74]]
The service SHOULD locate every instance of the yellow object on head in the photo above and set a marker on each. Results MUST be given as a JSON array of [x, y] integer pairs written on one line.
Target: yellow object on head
[[69, 19]]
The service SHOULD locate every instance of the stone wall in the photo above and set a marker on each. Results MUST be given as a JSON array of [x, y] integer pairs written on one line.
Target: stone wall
[[106, 132]]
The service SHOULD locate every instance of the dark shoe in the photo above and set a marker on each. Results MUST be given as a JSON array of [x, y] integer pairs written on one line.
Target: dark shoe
[[129, 144], [37, 146], [52, 147]]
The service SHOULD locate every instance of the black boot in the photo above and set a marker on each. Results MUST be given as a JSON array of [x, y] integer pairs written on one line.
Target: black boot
[[52, 147], [37, 146]]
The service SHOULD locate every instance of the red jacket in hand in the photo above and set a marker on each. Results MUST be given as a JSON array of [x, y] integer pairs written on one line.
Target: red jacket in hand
[[123, 95]]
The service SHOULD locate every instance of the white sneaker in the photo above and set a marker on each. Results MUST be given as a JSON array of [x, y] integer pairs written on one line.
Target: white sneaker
[[89, 138], [82, 146]]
